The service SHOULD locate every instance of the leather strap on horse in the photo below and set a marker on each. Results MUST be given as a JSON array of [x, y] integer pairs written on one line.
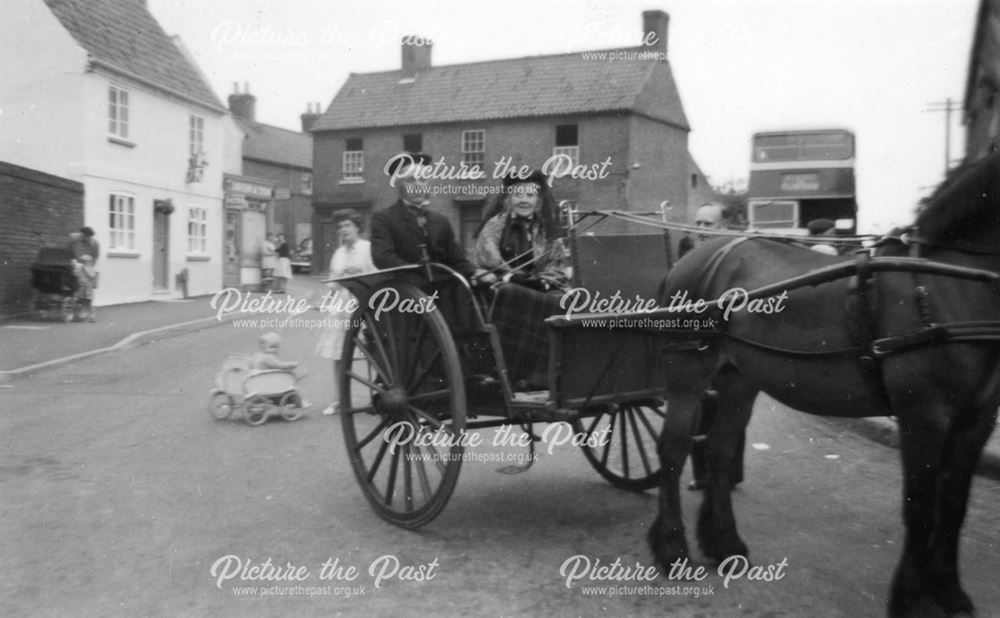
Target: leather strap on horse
[[712, 265], [861, 288]]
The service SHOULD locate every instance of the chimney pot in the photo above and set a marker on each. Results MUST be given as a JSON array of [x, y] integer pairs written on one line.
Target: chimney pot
[[243, 105], [416, 52], [655, 25]]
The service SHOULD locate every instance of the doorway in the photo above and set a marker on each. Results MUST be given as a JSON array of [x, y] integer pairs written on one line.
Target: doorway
[[231, 270], [161, 249]]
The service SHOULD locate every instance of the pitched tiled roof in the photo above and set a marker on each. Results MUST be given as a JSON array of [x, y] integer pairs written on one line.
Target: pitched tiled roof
[[276, 145], [514, 88], [123, 35]]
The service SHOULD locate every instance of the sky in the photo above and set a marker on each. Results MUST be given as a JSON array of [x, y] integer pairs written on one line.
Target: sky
[[877, 67]]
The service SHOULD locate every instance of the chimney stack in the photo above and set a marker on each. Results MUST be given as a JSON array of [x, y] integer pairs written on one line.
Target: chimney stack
[[654, 31], [416, 55], [243, 105], [311, 116]]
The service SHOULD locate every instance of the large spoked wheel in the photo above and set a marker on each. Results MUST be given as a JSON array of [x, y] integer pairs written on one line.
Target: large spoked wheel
[[221, 406], [403, 407], [621, 443], [291, 406]]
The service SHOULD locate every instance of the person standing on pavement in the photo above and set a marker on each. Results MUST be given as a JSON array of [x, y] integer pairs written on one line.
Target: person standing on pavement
[[283, 267], [352, 257], [268, 259], [83, 243], [86, 282]]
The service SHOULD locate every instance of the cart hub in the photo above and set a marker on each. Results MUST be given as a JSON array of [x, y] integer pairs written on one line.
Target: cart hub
[[393, 402]]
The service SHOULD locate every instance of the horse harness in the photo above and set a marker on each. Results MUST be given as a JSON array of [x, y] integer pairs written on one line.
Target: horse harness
[[869, 347]]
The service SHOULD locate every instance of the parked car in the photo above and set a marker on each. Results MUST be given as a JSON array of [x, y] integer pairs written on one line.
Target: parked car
[[302, 257]]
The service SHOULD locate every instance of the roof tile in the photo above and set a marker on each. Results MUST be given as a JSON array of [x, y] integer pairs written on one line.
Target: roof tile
[[124, 34], [499, 89]]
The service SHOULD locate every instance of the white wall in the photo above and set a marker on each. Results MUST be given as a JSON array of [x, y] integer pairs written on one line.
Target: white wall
[[153, 167], [54, 118], [41, 86]]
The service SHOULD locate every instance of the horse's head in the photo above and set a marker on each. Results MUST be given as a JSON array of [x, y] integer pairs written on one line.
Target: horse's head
[[963, 213]]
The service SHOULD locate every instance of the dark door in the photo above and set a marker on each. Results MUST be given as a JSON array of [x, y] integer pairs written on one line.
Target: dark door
[[329, 240], [231, 271], [161, 249]]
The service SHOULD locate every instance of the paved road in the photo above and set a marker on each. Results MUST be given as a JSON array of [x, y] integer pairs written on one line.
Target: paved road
[[120, 493]]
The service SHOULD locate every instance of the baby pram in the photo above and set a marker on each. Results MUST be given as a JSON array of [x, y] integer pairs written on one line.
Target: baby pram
[[54, 283]]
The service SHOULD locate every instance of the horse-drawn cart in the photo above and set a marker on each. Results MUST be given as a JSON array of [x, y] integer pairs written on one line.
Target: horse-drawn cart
[[908, 328], [423, 366]]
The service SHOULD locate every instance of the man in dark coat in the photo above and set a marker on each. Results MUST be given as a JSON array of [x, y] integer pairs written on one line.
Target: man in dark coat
[[83, 243], [408, 232]]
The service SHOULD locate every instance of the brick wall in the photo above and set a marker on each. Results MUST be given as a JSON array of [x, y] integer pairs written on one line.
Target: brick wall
[[37, 210], [648, 164]]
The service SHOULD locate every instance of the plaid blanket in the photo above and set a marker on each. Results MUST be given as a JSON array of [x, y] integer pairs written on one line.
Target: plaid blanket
[[519, 316]]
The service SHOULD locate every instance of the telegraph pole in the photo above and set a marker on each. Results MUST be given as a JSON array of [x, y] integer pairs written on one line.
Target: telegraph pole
[[947, 106]]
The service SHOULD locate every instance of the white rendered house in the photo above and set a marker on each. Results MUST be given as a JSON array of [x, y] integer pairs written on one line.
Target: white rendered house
[[111, 101]]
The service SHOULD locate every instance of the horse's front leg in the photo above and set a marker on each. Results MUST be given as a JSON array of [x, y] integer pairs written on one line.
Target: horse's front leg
[[717, 535], [961, 454], [666, 536]]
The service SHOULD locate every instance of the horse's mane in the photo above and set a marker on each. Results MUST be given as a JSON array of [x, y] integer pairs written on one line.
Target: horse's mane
[[966, 200]]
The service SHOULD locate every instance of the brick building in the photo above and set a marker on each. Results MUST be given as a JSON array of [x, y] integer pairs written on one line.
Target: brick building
[[276, 161], [616, 115], [38, 210]]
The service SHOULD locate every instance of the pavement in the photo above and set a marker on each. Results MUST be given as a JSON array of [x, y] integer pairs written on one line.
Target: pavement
[[31, 345]]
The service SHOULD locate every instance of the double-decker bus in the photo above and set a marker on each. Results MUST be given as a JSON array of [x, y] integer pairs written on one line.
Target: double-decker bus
[[798, 176]]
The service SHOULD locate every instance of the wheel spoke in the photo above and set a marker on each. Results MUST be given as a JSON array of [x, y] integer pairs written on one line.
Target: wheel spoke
[[388, 369], [426, 370], [623, 428], [373, 361], [445, 392], [425, 484], [423, 414], [369, 409], [632, 413], [649, 426], [593, 424], [407, 480], [415, 349], [391, 487], [371, 436], [378, 460], [372, 385], [607, 445], [393, 359]]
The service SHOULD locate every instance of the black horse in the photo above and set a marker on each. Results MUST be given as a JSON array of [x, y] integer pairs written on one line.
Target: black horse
[[920, 342]]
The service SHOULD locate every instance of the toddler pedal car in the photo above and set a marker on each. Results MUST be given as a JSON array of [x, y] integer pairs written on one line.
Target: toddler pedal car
[[258, 394]]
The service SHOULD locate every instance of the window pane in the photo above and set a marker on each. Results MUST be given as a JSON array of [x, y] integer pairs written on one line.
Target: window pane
[[413, 143], [566, 135]]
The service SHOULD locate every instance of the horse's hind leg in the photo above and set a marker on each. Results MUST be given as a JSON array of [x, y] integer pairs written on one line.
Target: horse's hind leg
[[922, 436], [961, 454], [717, 534]]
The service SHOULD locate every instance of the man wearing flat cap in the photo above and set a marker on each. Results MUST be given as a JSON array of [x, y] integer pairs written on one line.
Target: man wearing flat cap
[[408, 232]]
